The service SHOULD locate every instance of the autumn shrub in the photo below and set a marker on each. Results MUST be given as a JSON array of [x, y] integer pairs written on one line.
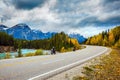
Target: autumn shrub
[[62, 49], [7, 56], [117, 45], [39, 52], [65, 50], [70, 49], [29, 54]]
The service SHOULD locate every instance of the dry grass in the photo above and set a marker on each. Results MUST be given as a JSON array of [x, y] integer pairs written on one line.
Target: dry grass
[[37, 53], [106, 68]]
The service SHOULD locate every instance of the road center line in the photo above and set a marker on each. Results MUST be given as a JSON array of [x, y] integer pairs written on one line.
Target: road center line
[[53, 61]]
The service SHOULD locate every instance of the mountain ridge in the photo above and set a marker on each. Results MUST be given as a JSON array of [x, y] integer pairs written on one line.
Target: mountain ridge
[[23, 31], [77, 36]]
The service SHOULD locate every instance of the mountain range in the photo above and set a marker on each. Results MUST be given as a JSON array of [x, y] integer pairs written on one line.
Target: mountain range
[[77, 36], [23, 31]]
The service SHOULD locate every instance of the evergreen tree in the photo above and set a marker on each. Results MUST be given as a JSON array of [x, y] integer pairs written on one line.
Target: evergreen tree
[[19, 50]]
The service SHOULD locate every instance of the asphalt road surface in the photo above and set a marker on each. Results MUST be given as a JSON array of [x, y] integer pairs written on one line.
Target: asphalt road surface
[[39, 67]]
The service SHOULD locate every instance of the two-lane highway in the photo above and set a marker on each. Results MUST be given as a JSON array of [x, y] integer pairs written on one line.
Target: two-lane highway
[[39, 67]]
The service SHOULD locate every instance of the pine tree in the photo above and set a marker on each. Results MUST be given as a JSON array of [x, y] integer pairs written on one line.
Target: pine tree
[[19, 50]]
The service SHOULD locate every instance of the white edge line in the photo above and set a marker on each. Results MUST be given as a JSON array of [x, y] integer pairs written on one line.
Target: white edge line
[[68, 65]]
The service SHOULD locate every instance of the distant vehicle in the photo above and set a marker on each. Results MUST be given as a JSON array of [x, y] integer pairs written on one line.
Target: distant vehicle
[[53, 51]]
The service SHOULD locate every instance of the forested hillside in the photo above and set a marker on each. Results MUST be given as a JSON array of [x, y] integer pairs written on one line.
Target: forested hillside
[[59, 41], [106, 38], [6, 39]]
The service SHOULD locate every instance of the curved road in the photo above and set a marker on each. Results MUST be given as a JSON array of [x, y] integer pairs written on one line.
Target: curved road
[[41, 67]]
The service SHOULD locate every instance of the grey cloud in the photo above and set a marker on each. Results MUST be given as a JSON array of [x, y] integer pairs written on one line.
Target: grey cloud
[[109, 1], [67, 13], [67, 5], [95, 22], [26, 4], [110, 5]]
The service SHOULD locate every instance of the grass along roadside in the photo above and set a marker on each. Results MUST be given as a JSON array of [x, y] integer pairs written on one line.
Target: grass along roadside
[[106, 67], [36, 53]]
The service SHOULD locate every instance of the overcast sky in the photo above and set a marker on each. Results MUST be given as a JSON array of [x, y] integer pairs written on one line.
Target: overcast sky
[[87, 17]]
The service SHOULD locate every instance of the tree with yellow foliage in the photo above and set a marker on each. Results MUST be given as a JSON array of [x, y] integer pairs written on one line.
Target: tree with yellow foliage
[[106, 38]]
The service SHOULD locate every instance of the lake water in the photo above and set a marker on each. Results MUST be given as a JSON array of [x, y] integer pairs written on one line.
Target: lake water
[[13, 54]]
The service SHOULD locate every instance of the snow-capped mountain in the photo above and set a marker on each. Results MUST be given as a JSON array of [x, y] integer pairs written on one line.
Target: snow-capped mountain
[[19, 31], [79, 37], [3, 27], [23, 31]]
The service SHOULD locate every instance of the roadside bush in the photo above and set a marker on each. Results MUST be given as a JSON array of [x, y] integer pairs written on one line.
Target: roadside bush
[[7, 56], [62, 49], [29, 54], [65, 50], [39, 52], [70, 49], [117, 45]]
